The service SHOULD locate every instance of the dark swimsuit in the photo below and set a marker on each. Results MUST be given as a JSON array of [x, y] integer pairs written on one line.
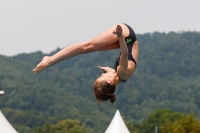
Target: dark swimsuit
[[129, 42]]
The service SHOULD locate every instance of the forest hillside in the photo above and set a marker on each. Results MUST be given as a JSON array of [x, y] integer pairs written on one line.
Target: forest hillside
[[167, 76]]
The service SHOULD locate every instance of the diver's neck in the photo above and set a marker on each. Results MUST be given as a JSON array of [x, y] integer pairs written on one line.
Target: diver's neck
[[116, 78]]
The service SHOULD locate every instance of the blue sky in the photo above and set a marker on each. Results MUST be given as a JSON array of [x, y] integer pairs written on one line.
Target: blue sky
[[43, 25]]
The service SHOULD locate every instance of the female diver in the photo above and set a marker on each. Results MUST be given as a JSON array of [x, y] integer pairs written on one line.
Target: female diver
[[119, 36]]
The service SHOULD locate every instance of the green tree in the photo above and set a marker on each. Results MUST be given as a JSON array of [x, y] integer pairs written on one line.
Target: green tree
[[158, 117], [64, 126], [187, 124], [133, 128]]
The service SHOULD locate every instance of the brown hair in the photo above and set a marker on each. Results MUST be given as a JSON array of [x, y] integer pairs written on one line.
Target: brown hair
[[104, 91]]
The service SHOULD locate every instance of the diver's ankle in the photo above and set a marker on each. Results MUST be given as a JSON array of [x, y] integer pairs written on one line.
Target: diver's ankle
[[50, 61]]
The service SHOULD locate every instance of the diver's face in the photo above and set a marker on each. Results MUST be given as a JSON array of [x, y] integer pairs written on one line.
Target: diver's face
[[106, 77]]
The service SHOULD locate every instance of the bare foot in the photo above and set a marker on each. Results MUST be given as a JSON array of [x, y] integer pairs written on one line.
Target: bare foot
[[42, 65]]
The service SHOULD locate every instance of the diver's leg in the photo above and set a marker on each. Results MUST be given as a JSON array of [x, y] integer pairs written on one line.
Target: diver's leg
[[104, 41]]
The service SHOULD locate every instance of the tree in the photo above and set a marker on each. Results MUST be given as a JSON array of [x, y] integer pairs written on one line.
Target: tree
[[64, 126], [158, 117], [187, 124], [133, 128]]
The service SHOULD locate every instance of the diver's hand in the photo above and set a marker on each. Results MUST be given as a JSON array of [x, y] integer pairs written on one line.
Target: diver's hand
[[105, 69], [118, 30], [102, 69]]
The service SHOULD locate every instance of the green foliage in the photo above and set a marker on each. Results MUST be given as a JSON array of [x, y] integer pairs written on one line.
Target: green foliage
[[158, 117], [24, 120], [167, 76], [64, 126], [187, 124], [133, 128], [167, 121]]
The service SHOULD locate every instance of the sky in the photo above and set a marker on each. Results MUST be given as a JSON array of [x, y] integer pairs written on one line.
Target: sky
[[44, 25]]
